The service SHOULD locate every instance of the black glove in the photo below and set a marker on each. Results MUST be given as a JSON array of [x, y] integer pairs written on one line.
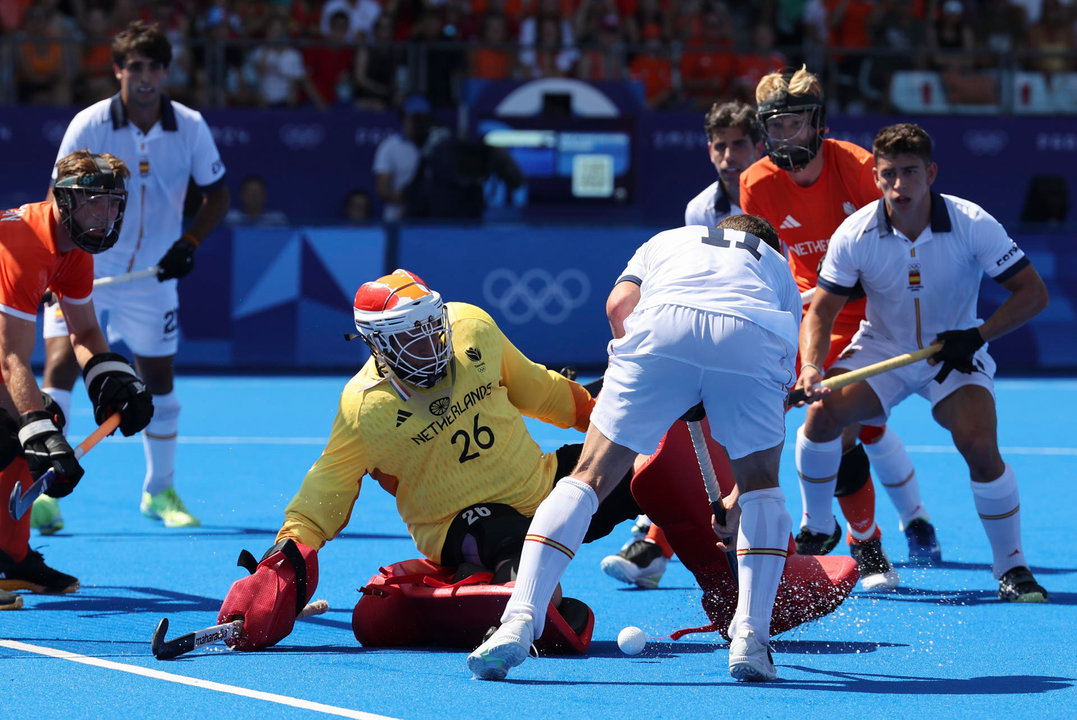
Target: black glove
[[114, 387], [178, 261], [958, 347], [45, 447]]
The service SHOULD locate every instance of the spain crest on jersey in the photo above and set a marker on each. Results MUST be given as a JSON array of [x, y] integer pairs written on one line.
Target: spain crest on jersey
[[914, 276]]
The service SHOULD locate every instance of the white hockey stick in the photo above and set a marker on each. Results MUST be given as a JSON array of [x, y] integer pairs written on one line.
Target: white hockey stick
[[710, 482], [126, 277]]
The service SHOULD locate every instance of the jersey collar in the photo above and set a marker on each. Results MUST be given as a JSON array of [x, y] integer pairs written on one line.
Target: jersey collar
[[722, 206], [118, 113], [940, 217]]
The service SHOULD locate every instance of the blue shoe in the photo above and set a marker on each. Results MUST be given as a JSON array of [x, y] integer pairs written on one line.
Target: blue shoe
[[924, 548]]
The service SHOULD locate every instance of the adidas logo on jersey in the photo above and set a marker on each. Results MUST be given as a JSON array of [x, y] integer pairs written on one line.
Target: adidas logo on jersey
[[788, 223], [401, 417], [848, 207]]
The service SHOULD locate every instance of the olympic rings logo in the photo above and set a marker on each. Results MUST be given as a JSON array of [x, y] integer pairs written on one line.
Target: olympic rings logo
[[536, 293]]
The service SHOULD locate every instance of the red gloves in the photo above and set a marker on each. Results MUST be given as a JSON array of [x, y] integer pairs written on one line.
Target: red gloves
[[270, 599]]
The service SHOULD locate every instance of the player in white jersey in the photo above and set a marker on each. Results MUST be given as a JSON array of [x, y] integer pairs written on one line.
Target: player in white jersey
[[733, 143], [712, 315], [920, 257], [163, 143]]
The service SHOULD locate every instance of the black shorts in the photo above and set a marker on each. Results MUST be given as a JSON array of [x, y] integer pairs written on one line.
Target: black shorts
[[488, 532], [494, 532]]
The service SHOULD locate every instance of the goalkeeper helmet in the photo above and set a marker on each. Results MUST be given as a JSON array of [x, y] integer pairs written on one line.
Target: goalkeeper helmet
[[792, 126], [103, 195], [406, 326]]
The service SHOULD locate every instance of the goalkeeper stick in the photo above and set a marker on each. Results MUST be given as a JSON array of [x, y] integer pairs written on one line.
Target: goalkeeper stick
[[169, 649], [20, 502], [125, 278], [855, 376]]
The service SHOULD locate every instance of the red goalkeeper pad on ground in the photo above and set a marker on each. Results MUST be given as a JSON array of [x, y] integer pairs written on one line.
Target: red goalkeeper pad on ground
[[669, 488], [418, 603]]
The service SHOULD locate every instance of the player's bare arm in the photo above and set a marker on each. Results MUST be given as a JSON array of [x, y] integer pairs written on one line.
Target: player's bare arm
[[17, 337], [215, 204], [87, 339], [1028, 298], [620, 304], [815, 331]]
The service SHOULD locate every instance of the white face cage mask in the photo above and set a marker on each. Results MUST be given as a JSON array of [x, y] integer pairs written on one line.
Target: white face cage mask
[[413, 339]]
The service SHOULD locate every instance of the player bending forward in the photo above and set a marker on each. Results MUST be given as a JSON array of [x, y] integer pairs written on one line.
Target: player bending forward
[[715, 317]]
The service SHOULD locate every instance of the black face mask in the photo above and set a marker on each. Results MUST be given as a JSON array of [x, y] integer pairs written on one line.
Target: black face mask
[[797, 152], [70, 191]]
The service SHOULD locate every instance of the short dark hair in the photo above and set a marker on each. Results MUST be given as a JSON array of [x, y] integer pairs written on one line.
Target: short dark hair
[[731, 114], [903, 139], [753, 225], [143, 38]]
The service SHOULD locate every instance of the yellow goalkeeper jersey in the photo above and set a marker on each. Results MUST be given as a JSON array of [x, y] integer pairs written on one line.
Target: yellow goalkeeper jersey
[[440, 450]]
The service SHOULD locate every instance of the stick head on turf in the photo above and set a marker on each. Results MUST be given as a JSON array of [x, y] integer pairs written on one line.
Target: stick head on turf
[[158, 645]]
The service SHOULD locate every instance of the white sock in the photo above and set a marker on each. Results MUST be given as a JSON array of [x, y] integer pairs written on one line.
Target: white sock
[[762, 543], [892, 467], [817, 465], [159, 440], [63, 399], [999, 507], [555, 534]]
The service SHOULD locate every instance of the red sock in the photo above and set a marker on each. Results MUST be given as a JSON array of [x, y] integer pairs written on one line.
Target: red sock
[[15, 534], [859, 511], [658, 537]]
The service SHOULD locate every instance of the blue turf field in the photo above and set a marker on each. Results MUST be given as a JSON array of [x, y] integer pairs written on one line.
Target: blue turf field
[[941, 644]]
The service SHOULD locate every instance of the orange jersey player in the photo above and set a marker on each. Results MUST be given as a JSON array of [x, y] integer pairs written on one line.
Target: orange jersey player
[[49, 245], [806, 214], [806, 186]]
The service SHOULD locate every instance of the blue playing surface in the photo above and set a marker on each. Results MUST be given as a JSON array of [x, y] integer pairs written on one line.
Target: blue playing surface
[[940, 644]]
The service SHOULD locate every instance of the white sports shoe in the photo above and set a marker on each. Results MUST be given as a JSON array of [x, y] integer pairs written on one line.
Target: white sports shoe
[[506, 648], [750, 659], [641, 563]]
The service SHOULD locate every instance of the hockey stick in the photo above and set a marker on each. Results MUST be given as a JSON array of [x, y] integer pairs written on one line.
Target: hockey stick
[[169, 649], [20, 502], [855, 376], [125, 278], [710, 478]]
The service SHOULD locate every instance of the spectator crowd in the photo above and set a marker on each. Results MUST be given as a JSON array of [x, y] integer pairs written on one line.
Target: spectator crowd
[[685, 53]]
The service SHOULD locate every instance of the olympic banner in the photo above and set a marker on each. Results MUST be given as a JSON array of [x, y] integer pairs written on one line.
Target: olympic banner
[[546, 288]]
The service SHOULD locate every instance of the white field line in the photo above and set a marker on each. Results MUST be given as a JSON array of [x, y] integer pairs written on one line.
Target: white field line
[[193, 682]]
